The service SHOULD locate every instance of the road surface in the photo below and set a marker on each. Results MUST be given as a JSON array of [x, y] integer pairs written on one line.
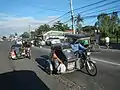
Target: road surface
[[108, 77], [26, 74]]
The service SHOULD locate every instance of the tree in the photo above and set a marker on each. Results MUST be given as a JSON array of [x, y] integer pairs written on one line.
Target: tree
[[107, 24], [25, 35], [33, 34], [59, 26], [11, 36], [103, 24], [114, 22], [115, 25], [43, 28], [89, 29], [16, 34], [78, 20]]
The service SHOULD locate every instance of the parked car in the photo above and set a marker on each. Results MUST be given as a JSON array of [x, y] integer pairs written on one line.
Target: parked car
[[1, 40], [18, 41], [52, 41]]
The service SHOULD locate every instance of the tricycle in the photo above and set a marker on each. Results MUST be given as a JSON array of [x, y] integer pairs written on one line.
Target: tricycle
[[83, 57]]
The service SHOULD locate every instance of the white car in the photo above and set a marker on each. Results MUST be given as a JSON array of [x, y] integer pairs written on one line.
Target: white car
[[42, 42], [1, 40], [52, 41], [18, 42]]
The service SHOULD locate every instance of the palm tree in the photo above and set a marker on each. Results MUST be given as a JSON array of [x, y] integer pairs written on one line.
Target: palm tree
[[77, 21]]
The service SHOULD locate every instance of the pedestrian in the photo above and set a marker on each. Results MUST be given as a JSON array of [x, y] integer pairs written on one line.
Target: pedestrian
[[107, 41]]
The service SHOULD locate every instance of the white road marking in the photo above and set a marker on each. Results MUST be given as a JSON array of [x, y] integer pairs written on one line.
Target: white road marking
[[108, 62], [95, 59]]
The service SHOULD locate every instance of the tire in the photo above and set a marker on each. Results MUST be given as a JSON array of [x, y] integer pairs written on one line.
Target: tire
[[29, 57], [48, 69], [49, 43], [94, 68]]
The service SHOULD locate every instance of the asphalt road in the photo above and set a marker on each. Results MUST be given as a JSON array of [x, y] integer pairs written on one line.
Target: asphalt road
[[24, 74], [29, 76], [108, 76]]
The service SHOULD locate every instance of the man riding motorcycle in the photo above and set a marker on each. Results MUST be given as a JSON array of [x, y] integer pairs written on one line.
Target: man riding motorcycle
[[77, 47], [27, 49], [78, 50]]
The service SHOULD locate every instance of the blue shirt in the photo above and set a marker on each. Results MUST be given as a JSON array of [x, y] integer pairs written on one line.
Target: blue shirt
[[77, 47]]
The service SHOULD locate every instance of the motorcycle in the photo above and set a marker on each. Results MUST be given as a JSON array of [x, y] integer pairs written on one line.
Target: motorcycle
[[85, 61], [28, 53]]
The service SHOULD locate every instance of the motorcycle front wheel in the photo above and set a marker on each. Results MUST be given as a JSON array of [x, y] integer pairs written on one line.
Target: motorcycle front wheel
[[91, 68]]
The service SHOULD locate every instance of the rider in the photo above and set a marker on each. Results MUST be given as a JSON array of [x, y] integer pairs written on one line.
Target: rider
[[56, 59], [77, 46], [58, 64], [26, 46], [80, 49]]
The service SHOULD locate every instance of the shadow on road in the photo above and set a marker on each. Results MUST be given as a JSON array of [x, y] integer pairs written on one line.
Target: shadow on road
[[21, 80], [83, 71], [45, 56], [42, 62]]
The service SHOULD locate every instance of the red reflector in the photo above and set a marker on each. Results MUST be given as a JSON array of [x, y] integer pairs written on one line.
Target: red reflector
[[13, 53]]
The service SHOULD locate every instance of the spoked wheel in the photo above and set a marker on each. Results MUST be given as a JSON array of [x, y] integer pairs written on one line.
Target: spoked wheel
[[91, 68]]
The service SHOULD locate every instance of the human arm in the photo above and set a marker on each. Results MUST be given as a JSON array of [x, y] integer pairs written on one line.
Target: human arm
[[82, 47], [55, 57]]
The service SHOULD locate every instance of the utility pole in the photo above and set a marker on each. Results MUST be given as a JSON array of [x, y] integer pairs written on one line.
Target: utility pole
[[29, 31], [72, 16]]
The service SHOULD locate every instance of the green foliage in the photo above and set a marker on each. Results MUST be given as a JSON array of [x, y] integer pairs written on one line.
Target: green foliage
[[78, 22], [25, 35], [89, 29], [59, 26], [108, 24], [16, 34], [42, 29]]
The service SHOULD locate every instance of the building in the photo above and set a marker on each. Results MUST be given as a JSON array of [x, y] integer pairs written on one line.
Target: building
[[53, 34]]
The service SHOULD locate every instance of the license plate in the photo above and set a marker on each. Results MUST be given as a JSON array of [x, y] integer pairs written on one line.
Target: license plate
[[71, 65]]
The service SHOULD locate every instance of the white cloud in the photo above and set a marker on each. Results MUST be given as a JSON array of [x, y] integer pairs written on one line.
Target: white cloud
[[11, 24]]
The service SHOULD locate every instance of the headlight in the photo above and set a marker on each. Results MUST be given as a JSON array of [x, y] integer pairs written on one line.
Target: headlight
[[88, 53]]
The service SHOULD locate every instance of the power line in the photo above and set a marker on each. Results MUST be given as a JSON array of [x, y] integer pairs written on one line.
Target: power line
[[90, 5], [93, 16], [67, 21], [102, 10], [50, 9], [100, 6], [77, 9], [58, 17]]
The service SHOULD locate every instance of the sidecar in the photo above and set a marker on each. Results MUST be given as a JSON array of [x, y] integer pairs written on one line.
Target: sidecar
[[64, 53]]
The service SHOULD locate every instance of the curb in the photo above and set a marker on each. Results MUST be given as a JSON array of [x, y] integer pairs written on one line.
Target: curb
[[109, 50]]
